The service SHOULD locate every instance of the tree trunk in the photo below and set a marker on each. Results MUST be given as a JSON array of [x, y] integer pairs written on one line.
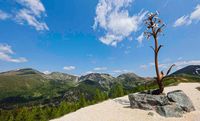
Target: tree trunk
[[158, 79]]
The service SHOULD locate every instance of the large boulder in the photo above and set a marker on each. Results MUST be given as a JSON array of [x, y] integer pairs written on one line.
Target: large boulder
[[174, 104], [181, 99], [170, 110], [147, 101]]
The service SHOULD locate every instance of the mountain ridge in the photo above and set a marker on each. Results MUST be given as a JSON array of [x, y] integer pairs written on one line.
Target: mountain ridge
[[31, 85], [193, 70]]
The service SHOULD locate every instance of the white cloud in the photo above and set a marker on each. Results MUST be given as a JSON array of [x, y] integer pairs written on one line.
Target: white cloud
[[140, 38], [179, 64], [144, 67], [113, 17], [69, 68], [4, 15], [119, 71], [188, 19], [24, 15], [35, 6], [162, 65], [88, 72], [195, 15], [180, 58], [6, 53], [184, 20], [100, 68], [6, 49], [47, 72], [186, 63], [31, 12]]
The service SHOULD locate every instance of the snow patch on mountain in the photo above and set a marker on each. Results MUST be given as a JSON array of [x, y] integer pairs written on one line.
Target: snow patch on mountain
[[198, 71]]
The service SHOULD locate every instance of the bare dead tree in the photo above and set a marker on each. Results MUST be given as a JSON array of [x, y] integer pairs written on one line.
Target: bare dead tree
[[154, 29]]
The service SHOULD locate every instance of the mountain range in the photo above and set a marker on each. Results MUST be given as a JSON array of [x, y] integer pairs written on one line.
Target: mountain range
[[31, 87], [189, 70]]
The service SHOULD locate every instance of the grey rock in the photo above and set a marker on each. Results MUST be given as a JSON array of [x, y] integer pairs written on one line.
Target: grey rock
[[147, 101], [174, 104], [181, 99], [170, 110], [151, 114]]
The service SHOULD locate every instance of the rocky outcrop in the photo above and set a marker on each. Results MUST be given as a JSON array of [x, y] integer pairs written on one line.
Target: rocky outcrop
[[174, 104], [147, 101], [181, 99], [172, 110]]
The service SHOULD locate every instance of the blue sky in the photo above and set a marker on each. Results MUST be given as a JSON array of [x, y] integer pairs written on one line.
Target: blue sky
[[79, 37]]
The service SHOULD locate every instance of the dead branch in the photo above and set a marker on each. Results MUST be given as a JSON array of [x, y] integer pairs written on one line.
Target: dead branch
[[160, 46], [169, 70]]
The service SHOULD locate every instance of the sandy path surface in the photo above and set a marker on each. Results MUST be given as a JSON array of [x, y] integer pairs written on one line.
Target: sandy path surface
[[118, 109]]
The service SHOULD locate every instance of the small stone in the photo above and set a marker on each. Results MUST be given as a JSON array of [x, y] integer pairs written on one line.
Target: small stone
[[151, 114]]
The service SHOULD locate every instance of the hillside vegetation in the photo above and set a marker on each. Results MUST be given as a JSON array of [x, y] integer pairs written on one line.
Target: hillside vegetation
[[28, 91]]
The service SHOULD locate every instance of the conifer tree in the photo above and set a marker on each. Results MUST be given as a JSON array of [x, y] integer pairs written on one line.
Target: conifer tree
[[82, 102]]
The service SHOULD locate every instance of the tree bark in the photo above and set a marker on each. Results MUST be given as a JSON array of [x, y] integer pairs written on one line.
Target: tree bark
[[158, 79], [154, 28]]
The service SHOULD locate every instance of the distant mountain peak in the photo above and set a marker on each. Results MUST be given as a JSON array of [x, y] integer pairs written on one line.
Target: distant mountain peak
[[190, 70], [22, 71], [61, 76], [130, 75], [95, 76], [105, 80]]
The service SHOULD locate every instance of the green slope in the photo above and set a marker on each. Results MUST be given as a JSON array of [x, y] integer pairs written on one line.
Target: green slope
[[193, 70], [29, 85]]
